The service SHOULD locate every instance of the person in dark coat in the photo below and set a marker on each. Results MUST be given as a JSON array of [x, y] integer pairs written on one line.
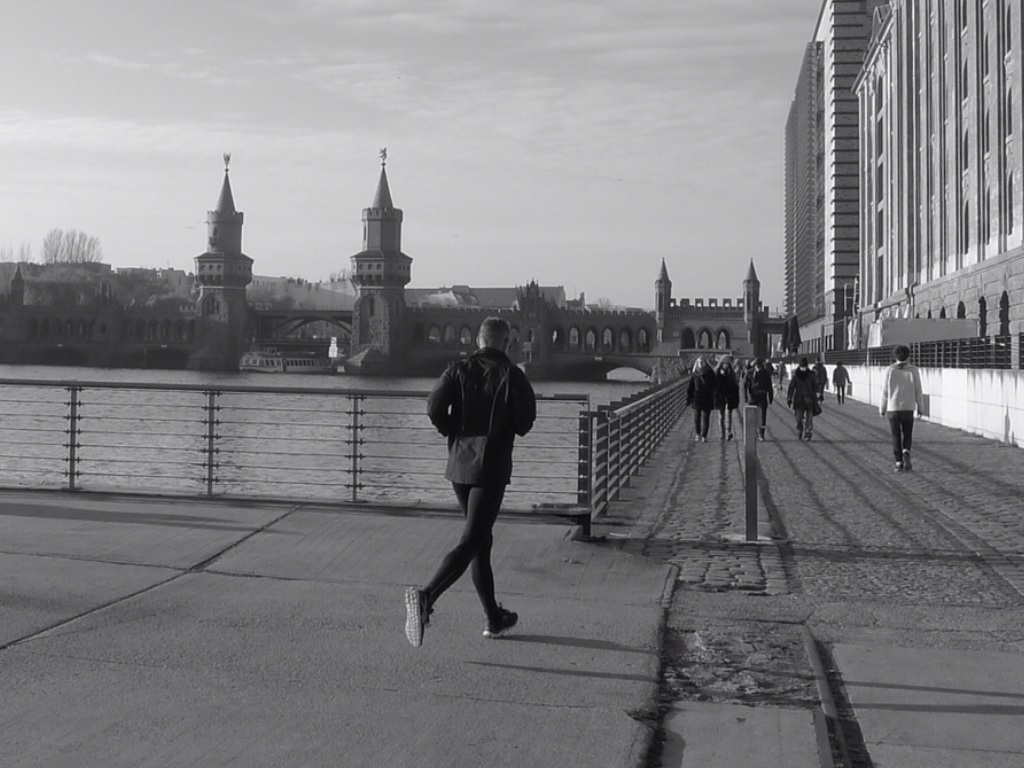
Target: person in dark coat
[[759, 390], [700, 396], [480, 403], [802, 397], [727, 397], [822, 377], [840, 378]]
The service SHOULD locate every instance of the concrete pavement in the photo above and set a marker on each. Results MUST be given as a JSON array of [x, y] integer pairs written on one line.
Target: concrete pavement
[[147, 632]]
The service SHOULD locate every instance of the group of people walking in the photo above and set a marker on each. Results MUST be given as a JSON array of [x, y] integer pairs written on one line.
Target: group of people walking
[[712, 389], [718, 389]]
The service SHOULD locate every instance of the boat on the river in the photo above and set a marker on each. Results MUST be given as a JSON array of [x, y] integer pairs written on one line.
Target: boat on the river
[[270, 360]]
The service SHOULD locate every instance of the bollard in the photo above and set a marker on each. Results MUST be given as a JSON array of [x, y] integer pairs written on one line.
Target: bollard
[[750, 419]]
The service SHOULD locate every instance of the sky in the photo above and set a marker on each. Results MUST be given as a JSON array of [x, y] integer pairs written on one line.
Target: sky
[[576, 143]]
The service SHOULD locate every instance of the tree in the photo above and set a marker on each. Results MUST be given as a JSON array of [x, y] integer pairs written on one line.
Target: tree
[[23, 254], [71, 247]]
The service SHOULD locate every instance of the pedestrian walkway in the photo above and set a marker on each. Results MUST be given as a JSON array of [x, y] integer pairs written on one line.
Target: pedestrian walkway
[[912, 584], [146, 632]]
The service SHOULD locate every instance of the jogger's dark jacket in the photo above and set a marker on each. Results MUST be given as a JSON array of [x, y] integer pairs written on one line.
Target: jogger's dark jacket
[[480, 404]]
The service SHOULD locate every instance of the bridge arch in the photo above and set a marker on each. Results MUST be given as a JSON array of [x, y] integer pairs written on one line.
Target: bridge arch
[[625, 340], [643, 341], [557, 338], [590, 340], [434, 335], [449, 335], [704, 339], [723, 340], [466, 336], [687, 340], [574, 339], [608, 340]]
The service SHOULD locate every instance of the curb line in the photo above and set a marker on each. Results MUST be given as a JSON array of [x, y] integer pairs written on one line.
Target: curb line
[[827, 714]]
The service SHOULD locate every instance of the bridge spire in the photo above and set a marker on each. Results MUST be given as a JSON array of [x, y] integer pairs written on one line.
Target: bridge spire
[[226, 201], [752, 274], [382, 198]]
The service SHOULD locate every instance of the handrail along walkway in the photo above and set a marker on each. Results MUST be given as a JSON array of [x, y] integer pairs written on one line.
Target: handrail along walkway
[[321, 444]]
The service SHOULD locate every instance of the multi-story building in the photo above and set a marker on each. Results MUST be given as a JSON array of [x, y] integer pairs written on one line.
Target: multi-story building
[[822, 182], [941, 163]]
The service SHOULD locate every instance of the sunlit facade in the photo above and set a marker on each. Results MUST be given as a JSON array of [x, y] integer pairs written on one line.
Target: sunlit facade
[[822, 179], [941, 164]]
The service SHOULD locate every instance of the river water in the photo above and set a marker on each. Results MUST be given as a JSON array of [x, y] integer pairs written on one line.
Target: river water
[[308, 439]]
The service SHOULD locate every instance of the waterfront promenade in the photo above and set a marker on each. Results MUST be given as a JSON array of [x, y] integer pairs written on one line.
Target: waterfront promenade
[[154, 632]]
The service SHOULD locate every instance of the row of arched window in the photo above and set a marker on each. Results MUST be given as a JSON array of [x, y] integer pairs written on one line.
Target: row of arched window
[[705, 338], [575, 339], [606, 340], [84, 329], [1002, 319]]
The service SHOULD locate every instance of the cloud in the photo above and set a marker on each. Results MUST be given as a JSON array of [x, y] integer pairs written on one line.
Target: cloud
[[179, 138], [167, 66]]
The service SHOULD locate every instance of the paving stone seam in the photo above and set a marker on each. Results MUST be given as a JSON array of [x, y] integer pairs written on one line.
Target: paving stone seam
[[179, 573], [990, 558]]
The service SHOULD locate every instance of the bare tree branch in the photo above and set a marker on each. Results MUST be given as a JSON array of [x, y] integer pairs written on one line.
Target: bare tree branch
[[71, 247]]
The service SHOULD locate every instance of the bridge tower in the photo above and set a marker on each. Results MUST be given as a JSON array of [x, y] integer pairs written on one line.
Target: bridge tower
[[752, 309], [17, 296], [662, 299], [222, 273], [380, 272]]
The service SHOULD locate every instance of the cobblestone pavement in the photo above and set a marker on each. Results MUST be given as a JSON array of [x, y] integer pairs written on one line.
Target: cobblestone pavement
[[854, 547], [951, 531]]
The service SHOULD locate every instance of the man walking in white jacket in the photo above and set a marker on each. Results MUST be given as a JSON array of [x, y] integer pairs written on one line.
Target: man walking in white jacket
[[901, 394]]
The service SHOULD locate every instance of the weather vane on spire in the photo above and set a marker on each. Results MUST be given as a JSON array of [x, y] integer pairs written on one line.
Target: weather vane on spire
[[383, 156], [227, 161]]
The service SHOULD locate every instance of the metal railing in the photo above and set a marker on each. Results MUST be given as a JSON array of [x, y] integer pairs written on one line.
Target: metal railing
[[995, 352], [617, 440], [262, 442], [314, 444]]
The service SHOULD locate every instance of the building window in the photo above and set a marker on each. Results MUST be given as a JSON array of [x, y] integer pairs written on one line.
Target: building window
[[986, 220], [1009, 204], [965, 235]]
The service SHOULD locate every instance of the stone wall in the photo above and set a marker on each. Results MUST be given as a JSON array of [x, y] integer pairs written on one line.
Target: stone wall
[[984, 402]]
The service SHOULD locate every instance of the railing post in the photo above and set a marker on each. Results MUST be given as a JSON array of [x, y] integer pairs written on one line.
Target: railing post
[[356, 442], [600, 476], [73, 432], [583, 468], [211, 450], [750, 417]]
